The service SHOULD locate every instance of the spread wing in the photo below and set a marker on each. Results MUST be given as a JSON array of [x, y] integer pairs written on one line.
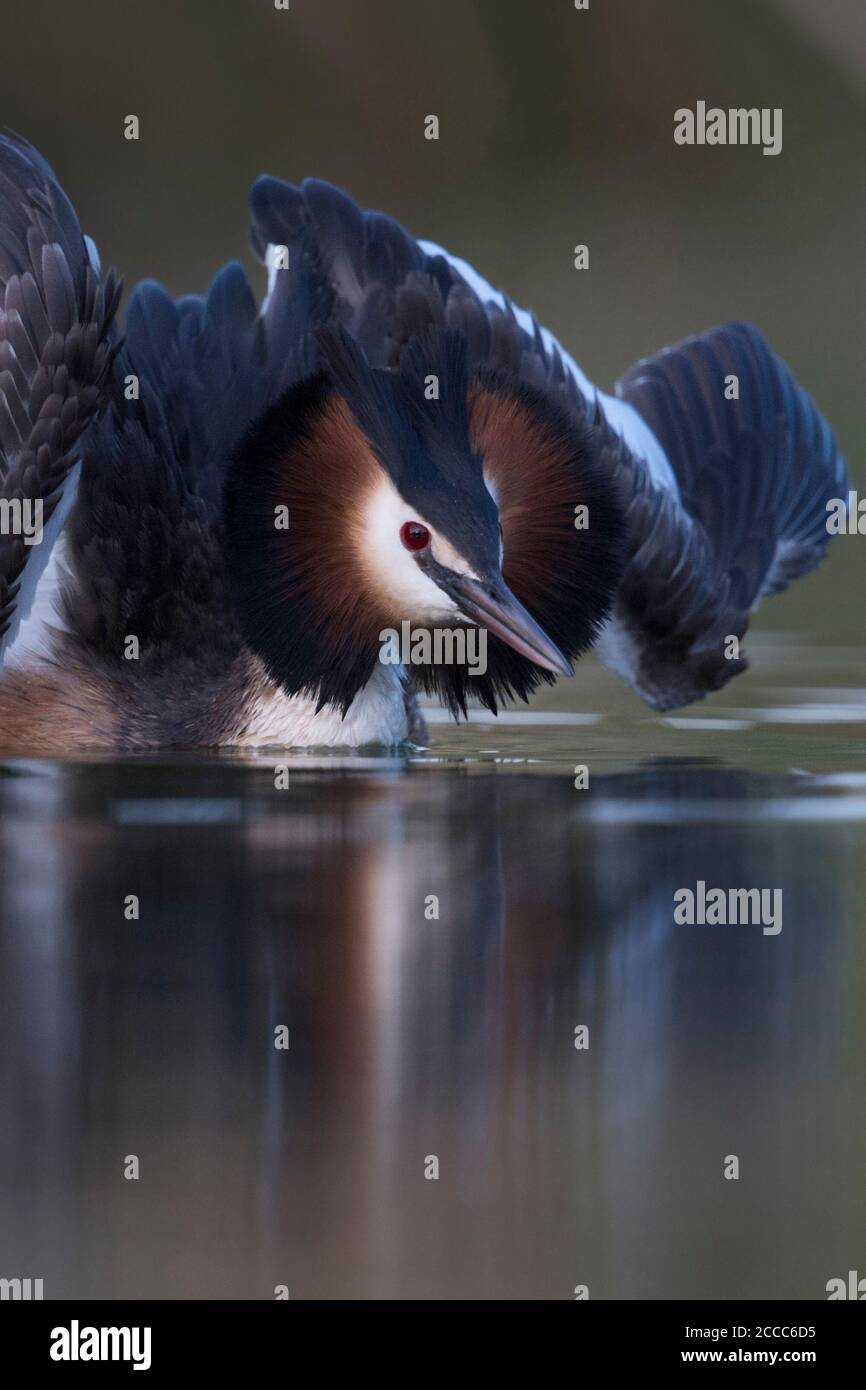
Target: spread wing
[[144, 542], [756, 463], [55, 356], [725, 498]]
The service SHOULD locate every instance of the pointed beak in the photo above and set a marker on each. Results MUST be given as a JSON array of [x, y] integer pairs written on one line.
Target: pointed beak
[[493, 606]]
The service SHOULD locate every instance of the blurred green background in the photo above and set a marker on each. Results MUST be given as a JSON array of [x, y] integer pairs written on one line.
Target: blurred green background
[[556, 128]]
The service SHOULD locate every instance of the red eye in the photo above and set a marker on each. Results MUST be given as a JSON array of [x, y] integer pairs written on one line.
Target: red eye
[[414, 536]]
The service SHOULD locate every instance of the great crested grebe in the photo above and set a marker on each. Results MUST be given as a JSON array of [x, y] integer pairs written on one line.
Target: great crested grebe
[[236, 501]]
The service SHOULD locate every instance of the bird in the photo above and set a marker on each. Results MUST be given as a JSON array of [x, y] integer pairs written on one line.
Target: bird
[[236, 499]]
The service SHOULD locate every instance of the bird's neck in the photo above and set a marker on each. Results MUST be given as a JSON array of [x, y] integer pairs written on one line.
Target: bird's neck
[[270, 716]]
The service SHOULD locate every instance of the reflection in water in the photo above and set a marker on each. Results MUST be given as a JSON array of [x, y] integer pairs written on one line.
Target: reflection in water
[[414, 1036]]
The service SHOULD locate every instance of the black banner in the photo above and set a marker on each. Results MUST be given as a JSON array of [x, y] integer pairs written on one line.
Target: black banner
[[224, 1337]]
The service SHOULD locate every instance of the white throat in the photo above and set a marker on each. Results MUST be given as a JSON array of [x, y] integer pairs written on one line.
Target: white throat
[[376, 715]]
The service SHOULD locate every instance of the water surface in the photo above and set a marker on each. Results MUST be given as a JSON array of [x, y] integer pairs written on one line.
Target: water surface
[[413, 1036]]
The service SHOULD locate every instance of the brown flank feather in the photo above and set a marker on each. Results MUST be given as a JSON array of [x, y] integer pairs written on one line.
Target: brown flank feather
[[47, 711]]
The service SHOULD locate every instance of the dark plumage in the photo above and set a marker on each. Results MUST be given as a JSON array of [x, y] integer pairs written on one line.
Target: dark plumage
[[55, 353], [755, 472], [381, 386]]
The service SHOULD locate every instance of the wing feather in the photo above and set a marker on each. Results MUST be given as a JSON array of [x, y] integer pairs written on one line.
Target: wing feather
[[55, 356]]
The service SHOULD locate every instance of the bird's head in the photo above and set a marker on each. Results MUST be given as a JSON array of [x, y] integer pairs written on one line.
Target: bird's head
[[367, 498]]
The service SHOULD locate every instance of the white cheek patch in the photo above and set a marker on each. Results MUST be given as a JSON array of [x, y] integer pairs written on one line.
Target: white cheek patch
[[393, 570]]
